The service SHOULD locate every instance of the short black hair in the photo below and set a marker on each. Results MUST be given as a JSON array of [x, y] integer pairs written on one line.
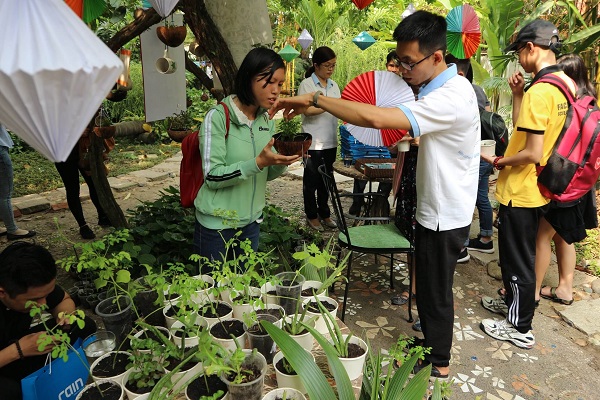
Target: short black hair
[[322, 54], [462, 65], [428, 29], [25, 265], [259, 62], [392, 56]]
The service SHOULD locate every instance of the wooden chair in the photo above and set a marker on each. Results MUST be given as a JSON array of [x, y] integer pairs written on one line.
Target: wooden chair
[[379, 239]]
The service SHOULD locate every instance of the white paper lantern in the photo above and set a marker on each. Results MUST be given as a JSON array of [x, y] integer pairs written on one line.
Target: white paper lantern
[[54, 74], [163, 7], [305, 39]]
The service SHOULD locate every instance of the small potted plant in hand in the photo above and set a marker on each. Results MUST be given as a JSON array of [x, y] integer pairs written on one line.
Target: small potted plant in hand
[[289, 140]]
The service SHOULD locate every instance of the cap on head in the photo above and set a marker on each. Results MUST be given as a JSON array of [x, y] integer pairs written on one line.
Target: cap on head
[[540, 32]]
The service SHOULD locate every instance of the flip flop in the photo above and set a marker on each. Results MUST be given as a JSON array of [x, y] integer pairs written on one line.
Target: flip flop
[[401, 299], [554, 297]]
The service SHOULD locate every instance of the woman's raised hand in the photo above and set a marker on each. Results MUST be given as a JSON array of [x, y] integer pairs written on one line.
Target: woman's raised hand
[[267, 157]]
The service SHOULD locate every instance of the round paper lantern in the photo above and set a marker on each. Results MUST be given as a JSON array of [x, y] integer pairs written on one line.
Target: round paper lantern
[[305, 39], [288, 53], [53, 79], [361, 3], [364, 40]]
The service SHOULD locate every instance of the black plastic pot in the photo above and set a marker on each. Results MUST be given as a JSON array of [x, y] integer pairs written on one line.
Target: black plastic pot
[[261, 341], [117, 316]]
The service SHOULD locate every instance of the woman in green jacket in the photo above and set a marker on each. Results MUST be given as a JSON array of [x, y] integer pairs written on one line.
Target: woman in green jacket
[[238, 163]]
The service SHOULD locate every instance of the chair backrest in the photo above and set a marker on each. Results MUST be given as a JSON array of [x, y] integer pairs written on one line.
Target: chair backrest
[[334, 195]]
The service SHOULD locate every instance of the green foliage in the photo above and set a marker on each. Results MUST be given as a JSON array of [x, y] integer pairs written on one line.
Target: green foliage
[[588, 250], [181, 121], [289, 128], [55, 336], [163, 230], [319, 264], [111, 266], [147, 368]]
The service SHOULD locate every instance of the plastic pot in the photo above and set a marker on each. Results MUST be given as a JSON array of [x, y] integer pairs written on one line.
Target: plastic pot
[[289, 289], [262, 342], [250, 390], [117, 316]]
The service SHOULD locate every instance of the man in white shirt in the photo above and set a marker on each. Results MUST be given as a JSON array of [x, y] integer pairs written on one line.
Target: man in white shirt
[[446, 118]]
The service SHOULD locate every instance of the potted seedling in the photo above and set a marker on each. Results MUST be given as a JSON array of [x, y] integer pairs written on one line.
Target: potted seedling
[[292, 324], [284, 393], [105, 389], [285, 373], [206, 387], [258, 338], [145, 369], [392, 385], [179, 125], [289, 140], [288, 286]]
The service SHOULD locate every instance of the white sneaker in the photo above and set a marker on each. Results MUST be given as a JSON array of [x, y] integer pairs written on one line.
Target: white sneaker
[[504, 330], [497, 306]]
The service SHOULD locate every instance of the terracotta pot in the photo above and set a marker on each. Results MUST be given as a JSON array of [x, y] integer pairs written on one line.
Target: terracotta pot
[[172, 36], [297, 146], [178, 136]]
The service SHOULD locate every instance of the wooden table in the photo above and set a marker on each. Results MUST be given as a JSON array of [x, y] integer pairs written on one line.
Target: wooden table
[[352, 172]]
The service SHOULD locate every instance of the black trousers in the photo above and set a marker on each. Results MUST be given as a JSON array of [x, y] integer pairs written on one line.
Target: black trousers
[[517, 231], [436, 255], [359, 187], [69, 173], [312, 182], [11, 374]]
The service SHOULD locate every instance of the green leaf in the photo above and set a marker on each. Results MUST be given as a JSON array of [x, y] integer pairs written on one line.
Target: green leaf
[[123, 276], [312, 377]]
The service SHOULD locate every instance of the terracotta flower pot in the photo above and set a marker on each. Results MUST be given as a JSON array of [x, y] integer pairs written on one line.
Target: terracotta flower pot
[[172, 36], [178, 136], [297, 146]]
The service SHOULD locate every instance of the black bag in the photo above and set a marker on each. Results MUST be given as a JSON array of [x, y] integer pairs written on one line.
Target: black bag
[[494, 128]]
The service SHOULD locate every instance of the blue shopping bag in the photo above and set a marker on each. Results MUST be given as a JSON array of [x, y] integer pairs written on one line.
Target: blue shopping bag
[[58, 380]]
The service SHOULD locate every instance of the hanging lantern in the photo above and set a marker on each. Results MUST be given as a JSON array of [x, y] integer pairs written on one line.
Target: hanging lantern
[[364, 40], [409, 11], [362, 3], [288, 53], [163, 7], [53, 80], [305, 39], [124, 81]]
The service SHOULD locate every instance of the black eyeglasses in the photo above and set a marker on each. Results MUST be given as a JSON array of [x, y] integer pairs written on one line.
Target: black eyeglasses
[[410, 66], [518, 51]]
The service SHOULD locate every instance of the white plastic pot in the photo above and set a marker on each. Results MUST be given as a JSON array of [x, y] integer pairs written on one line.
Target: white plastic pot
[[320, 324], [240, 310], [267, 298], [211, 320], [230, 344], [315, 285], [204, 295], [304, 339], [288, 381], [354, 366], [92, 386], [192, 339], [116, 378], [139, 334], [284, 392]]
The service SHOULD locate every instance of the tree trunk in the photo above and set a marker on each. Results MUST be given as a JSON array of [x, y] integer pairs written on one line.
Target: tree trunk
[[105, 195], [204, 79], [210, 41]]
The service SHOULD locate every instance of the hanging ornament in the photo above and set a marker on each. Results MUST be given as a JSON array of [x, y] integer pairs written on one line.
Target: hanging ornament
[[305, 39], [48, 99], [170, 34], [409, 11], [288, 53], [362, 3], [124, 81], [364, 40], [163, 7]]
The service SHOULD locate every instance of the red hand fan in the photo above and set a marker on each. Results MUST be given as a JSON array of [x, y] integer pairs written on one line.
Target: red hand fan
[[380, 88]]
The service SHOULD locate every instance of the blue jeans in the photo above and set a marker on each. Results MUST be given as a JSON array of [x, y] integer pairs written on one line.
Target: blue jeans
[[6, 188], [210, 243], [486, 215]]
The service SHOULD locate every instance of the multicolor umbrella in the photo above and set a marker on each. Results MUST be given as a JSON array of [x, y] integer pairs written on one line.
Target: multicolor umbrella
[[463, 33], [380, 88], [88, 10]]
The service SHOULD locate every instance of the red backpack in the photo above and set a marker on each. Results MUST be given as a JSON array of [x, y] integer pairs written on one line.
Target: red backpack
[[574, 165], [191, 176]]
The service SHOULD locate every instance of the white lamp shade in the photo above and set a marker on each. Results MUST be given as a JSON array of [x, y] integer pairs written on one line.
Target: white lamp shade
[[163, 7], [305, 39], [54, 74]]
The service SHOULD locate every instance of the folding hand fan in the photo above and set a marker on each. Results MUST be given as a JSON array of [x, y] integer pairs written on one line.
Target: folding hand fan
[[383, 89], [463, 33]]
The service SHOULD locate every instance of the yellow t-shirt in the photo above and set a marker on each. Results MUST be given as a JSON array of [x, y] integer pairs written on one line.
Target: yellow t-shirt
[[543, 112]]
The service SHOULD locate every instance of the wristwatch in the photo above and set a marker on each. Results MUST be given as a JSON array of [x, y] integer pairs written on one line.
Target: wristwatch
[[316, 98]]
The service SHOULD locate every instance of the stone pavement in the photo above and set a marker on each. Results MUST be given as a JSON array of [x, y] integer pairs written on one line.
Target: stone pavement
[[562, 365]]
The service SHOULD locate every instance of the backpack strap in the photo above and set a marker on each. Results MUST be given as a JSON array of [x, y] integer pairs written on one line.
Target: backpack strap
[[227, 122], [560, 84]]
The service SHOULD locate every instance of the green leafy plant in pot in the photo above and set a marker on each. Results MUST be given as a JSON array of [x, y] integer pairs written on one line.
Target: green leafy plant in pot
[[289, 140], [180, 125]]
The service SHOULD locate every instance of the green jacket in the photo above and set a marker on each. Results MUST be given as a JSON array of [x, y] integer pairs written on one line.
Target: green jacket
[[232, 180]]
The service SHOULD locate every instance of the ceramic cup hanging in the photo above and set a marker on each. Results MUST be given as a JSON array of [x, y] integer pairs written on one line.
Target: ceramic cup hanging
[[166, 65]]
